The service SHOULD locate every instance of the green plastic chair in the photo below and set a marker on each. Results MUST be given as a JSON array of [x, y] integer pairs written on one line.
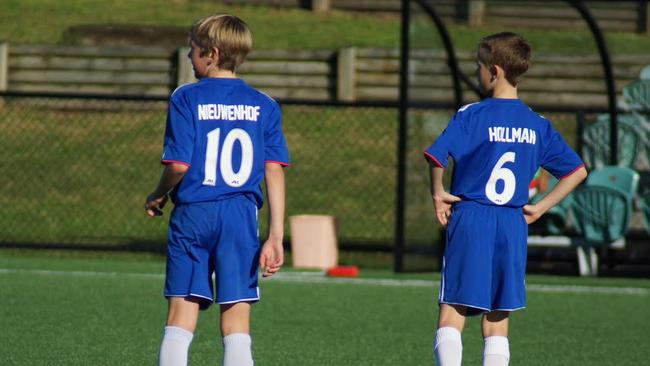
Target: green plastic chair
[[621, 178], [602, 214], [595, 151], [636, 95], [602, 208]]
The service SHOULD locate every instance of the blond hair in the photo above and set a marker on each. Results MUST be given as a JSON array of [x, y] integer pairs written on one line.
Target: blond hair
[[229, 34], [508, 50]]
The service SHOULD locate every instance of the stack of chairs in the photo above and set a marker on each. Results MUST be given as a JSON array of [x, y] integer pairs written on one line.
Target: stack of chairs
[[602, 207]]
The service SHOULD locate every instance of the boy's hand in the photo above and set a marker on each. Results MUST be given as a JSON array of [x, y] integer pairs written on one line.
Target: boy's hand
[[271, 257], [154, 205], [532, 213], [442, 202]]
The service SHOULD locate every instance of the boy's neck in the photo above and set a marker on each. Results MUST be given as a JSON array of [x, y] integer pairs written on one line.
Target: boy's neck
[[219, 73], [503, 90]]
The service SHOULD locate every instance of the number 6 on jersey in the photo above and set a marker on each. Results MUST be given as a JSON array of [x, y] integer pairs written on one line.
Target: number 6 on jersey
[[225, 162], [504, 174]]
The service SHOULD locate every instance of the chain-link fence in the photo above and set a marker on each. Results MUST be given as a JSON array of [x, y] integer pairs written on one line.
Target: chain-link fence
[[77, 170]]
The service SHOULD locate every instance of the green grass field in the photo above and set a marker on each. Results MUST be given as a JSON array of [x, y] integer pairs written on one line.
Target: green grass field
[[80, 309]]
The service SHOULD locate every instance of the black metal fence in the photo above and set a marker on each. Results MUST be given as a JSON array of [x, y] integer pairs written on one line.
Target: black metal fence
[[77, 170]]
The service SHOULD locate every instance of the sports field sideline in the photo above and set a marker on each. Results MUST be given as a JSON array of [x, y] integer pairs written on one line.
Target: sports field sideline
[[108, 310]]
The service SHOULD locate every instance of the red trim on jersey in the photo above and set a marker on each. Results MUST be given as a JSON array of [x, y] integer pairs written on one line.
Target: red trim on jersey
[[277, 162], [434, 159], [175, 162], [573, 171]]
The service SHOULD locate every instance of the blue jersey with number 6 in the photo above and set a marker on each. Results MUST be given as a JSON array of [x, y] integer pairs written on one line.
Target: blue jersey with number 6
[[225, 131], [497, 146]]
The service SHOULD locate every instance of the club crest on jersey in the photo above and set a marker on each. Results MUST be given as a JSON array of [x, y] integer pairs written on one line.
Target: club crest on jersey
[[520, 135]]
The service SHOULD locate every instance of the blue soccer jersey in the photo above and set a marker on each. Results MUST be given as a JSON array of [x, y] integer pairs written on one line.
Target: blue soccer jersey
[[225, 131], [497, 146]]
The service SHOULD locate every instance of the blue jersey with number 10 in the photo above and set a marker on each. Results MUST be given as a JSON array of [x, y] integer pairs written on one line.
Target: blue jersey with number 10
[[225, 131], [497, 146]]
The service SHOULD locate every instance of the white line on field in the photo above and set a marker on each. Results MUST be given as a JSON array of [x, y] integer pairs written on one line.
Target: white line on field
[[319, 277]]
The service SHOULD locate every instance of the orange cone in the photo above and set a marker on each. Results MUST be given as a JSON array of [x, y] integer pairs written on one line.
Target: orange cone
[[343, 271]]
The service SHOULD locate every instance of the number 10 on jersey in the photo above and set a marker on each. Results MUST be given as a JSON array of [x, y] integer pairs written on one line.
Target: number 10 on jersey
[[219, 158]]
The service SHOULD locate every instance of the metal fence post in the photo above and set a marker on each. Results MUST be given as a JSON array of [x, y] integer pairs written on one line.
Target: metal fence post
[[400, 233], [184, 72], [642, 22], [346, 75]]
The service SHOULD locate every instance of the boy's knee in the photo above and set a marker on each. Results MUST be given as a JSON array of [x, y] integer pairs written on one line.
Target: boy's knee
[[235, 318], [183, 313], [452, 316], [495, 323]]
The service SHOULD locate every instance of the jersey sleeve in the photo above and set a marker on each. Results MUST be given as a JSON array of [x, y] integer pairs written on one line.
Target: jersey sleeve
[[275, 150], [558, 158], [179, 133], [447, 144]]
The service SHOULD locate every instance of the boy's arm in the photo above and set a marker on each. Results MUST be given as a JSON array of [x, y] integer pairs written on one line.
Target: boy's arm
[[442, 200], [561, 190], [171, 175], [272, 255]]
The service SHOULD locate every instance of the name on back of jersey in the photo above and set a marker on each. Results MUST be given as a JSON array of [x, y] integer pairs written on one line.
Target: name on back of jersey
[[520, 135], [227, 112]]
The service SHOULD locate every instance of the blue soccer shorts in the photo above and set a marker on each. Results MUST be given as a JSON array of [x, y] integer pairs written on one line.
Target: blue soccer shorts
[[484, 265], [220, 238]]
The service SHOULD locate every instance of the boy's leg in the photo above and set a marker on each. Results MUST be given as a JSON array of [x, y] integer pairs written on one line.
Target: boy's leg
[[495, 333], [448, 347], [181, 322], [235, 329]]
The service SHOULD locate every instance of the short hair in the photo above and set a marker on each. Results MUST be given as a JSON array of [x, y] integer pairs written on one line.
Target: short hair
[[508, 50], [229, 34]]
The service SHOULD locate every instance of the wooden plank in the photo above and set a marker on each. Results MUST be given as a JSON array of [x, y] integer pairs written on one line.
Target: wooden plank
[[438, 95], [494, 12], [4, 65], [285, 67], [346, 74], [99, 64], [564, 99], [368, 5], [92, 89], [90, 51], [289, 81], [282, 54], [295, 3], [299, 93], [320, 5], [84, 77], [184, 69], [547, 23], [528, 84]]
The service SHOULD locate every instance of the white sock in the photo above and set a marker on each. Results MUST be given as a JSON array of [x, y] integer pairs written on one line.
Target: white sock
[[174, 346], [448, 348], [496, 352], [237, 350]]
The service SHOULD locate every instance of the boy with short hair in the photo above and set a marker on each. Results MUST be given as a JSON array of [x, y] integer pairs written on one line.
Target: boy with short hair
[[497, 146], [222, 138]]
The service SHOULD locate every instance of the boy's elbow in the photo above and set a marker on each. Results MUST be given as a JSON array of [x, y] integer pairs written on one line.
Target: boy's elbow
[[273, 168], [581, 174], [178, 169]]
